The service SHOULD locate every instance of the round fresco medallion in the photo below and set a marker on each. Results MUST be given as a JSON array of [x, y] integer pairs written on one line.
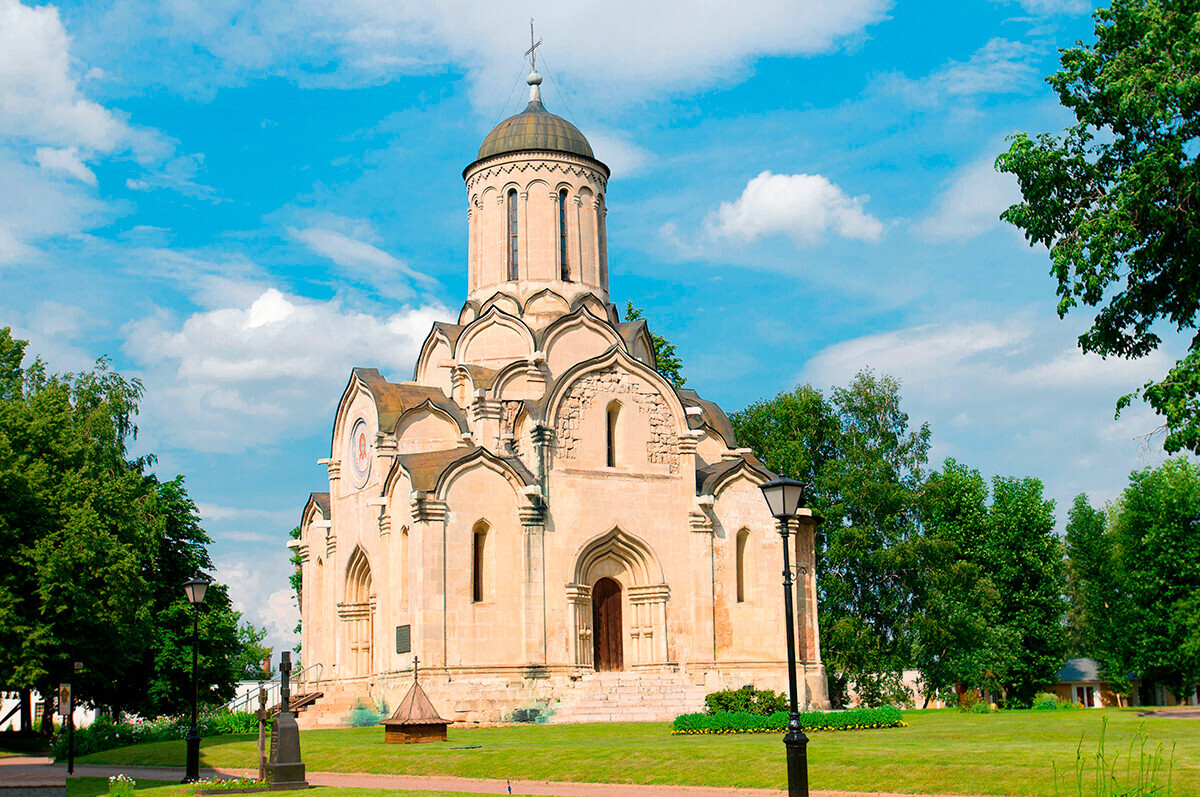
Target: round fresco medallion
[[360, 453]]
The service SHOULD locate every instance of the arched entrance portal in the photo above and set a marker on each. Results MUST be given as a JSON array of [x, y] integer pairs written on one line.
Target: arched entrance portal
[[618, 604], [357, 614], [607, 636]]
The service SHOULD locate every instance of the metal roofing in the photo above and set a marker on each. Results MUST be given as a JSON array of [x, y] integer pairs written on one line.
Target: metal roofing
[[532, 129], [1079, 669]]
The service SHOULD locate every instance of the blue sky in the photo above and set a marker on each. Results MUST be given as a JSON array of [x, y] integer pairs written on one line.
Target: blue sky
[[237, 203]]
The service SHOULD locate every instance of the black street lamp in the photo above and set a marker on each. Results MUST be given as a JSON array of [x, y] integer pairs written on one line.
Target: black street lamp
[[784, 497], [194, 588]]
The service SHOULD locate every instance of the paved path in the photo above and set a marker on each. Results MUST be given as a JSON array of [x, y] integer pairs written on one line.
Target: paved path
[[41, 767]]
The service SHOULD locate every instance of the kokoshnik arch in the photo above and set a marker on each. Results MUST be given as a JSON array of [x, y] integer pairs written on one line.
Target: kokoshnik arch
[[539, 515]]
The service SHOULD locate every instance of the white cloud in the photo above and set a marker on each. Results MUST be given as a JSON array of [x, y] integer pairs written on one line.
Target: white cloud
[[1053, 7], [802, 206], [250, 576], [45, 206], [971, 204], [364, 261], [1015, 395], [592, 47], [39, 99], [213, 513], [236, 377], [622, 156], [999, 67], [66, 161]]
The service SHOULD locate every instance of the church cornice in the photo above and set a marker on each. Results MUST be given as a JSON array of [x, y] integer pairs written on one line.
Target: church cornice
[[535, 161]]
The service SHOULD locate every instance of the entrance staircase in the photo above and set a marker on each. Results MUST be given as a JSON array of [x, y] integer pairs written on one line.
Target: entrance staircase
[[629, 697], [335, 703]]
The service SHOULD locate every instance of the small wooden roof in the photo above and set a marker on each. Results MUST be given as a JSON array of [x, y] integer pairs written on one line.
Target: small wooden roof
[[415, 709]]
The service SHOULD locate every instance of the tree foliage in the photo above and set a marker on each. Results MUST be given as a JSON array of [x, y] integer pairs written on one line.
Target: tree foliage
[[670, 364], [914, 569], [864, 462], [1116, 199], [95, 549], [1135, 583]]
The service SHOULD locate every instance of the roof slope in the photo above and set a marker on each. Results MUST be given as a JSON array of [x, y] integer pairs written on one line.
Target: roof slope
[[415, 709]]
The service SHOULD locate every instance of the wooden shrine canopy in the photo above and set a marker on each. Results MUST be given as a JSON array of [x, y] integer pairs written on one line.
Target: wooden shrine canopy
[[415, 719]]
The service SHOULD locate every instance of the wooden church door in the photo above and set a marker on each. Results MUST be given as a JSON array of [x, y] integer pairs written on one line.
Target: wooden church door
[[606, 626]]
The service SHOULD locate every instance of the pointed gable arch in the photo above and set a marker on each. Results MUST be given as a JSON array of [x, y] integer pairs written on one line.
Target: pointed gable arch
[[544, 307], [522, 380], [358, 402], [715, 479], [503, 302], [576, 337], [437, 350], [645, 390], [428, 427], [480, 458], [495, 338]]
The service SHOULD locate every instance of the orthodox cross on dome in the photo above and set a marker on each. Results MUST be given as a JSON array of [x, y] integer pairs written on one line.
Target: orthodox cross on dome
[[532, 51], [416, 664]]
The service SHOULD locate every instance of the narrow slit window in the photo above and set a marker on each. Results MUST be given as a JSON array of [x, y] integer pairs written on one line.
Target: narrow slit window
[[478, 545], [613, 414], [742, 538], [562, 236], [512, 235]]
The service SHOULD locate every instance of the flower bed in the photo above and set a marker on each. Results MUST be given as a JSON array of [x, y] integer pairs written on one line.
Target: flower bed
[[230, 786], [855, 719], [104, 734]]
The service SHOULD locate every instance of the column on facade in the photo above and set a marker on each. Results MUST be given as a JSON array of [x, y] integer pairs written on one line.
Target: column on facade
[[704, 636], [533, 586], [579, 601], [429, 589]]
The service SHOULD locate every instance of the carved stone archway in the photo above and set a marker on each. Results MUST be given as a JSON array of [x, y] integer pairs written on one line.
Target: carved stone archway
[[357, 616]]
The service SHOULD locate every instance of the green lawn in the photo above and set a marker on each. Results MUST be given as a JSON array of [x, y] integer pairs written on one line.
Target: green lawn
[[95, 787], [1009, 753]]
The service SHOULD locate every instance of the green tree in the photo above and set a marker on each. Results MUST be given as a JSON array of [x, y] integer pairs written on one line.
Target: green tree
[[954, 627], [670, 364], [296, 579], [252, 661], [1023, 556], [864, 463], [1097, 622], [1116, 199], [1156, 534], [95, 548]]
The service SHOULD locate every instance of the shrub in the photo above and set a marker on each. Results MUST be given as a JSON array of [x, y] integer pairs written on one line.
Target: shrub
[[104, 734], [748, 700], [1048, 701], [969, 702], [854, 719]]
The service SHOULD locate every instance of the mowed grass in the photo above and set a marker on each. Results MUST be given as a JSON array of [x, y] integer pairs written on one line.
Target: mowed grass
[[97, 787], [1009, 753]]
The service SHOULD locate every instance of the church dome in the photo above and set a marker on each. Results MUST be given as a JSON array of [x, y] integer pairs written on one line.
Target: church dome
[[535, 128]]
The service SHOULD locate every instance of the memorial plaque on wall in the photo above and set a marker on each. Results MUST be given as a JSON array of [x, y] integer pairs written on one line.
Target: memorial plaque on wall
[[403, 638]]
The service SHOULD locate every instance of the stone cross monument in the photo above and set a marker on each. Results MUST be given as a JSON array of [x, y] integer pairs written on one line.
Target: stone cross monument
[[286, 770]]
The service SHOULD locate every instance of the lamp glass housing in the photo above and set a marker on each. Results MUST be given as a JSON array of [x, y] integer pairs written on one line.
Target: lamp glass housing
[[195, 588], [783, 496]]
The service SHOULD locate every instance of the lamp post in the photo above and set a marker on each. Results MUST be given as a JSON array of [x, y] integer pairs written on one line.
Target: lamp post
[[783, 497], [194, 588]]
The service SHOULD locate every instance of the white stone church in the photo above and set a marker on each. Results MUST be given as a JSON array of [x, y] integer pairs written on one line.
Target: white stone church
[[555, 530]]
